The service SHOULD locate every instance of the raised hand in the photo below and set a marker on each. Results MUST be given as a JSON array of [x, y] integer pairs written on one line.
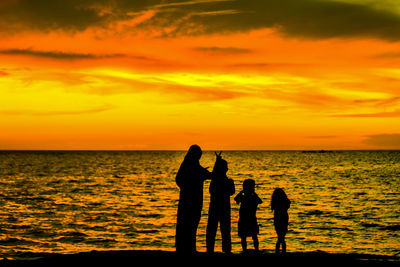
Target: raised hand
[[218, 155]]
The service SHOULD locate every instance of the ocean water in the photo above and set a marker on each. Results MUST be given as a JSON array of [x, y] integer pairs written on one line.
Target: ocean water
[[68, 202]]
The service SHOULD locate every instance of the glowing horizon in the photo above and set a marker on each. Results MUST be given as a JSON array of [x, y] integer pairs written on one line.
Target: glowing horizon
[[227, 75]]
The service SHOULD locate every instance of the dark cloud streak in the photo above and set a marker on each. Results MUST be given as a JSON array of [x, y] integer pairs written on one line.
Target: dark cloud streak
[[299, 18], [389, 114], [45, 15], [391, 141], [321, 136], [58, 55], [57, 113], [222, 50], [388, 55], [3, 73]]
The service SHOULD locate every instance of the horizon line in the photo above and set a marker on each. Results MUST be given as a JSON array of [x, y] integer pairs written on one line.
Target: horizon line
[[178, 150]]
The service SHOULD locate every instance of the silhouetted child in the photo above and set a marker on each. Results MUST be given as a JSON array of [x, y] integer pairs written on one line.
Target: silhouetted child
[[247, 225], [221, 188], [280, 204]]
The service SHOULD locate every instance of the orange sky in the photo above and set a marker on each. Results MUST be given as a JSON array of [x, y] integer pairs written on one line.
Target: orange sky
[[158, 77]]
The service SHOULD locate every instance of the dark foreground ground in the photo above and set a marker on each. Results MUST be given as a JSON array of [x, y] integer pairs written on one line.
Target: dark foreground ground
[[164, 258]]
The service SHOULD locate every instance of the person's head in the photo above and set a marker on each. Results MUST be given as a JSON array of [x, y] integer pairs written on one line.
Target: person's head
[[221, 166], [279, 195], [249, 186], [194, 153]]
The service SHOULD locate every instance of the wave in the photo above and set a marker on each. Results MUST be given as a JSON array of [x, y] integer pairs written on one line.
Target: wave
[[155, 216], [393, 227], [104, 242], [39, 233], [317, 213], [146, 231], [72, 237], [16, 242]]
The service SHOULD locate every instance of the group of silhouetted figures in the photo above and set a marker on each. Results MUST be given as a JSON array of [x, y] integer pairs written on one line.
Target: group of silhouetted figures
[[190, 179]]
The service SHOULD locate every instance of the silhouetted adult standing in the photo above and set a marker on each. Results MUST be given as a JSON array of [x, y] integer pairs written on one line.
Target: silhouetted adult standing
[[190, 179]]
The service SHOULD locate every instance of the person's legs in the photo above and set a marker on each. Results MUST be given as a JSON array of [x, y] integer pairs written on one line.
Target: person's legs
[[244, 243], [283, 243], [277, 245], [283, 247], [193, 232], [225, 224], [281, 240], [180, 228], [255, 242], [212, 226], [184, 237]]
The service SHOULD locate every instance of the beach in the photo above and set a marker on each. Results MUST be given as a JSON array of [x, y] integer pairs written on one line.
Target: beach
[[150, 257]]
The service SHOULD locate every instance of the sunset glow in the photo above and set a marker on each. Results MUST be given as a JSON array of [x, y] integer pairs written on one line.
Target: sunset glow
[[224, 74]]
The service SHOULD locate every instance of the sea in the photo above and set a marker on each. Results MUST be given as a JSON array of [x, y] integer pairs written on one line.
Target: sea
[[79, 201]]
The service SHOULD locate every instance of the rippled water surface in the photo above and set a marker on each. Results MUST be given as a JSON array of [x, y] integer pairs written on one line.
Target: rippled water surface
[[66, 202]]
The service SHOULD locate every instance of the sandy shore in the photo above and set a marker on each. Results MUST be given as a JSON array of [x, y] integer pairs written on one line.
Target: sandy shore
[[143, 258]]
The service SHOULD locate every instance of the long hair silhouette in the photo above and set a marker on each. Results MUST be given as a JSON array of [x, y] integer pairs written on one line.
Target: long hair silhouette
[[279, 200]]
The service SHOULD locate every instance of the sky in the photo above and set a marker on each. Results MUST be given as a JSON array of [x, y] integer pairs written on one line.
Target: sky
[[224, 74]]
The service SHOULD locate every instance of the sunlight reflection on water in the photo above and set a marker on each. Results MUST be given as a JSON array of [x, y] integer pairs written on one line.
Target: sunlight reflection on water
[[70, 202]]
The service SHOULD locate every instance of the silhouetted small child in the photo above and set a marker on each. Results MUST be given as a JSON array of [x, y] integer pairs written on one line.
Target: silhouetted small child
[[280, 204], [221, 188], [247, 225]]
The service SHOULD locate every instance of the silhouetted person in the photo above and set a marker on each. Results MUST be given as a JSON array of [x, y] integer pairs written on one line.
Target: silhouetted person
[[190, 179], [247, 225], [221, 188], [280, 204]]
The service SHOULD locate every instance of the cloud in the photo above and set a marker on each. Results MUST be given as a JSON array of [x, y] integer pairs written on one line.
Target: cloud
[[44, 15], [389, 141], [185, 93], [387, 55], [321, 136], [251, 65], [58, 55], [57, 113], [379, 102], [186, 3], [299, 18], [266, 66], [390, 114], [222, 50]]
